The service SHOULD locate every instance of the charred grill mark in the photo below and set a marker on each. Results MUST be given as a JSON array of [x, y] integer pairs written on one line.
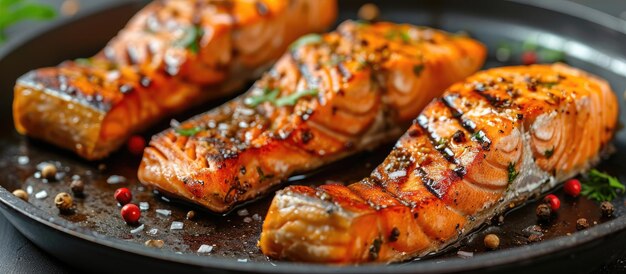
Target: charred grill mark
[[261, 8], [371, 181], [429, 183], [438, 142], [466, 123], [311, 82], [345, 73], [494, 101]]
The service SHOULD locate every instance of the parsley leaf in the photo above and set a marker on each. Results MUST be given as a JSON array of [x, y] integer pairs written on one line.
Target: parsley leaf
[[188, 131], [269, 95], [291, 99], [14, 11], [512, 172], [312, 38], [600, 186], [395, 33], [191, 39]]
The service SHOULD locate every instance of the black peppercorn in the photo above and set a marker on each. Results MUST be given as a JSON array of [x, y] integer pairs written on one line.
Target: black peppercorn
[[581, 224], [77, 187], [543, 212], [607, 209]]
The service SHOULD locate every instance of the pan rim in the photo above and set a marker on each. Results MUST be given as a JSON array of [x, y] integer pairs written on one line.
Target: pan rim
[[501, 257]]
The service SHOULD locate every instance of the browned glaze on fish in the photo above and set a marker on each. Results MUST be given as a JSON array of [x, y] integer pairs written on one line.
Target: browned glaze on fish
[[497, 138], [172, 55], [328, 97]]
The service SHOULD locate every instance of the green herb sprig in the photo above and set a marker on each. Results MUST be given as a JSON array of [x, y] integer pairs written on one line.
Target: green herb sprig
[[188, 131], [600, 186], [512, 172], [14, 11], [271, 95], [191, 39], [312, 38]]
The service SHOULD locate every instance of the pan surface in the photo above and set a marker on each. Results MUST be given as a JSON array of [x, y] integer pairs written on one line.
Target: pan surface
[[95, 238]]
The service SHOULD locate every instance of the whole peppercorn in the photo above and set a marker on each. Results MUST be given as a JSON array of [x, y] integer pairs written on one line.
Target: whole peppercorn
[[607, 209], [63, 202], [553, 202], [123, 195], [581, 224], [19, 193], [191, 215], [543, 212], [572, 187], [492, 241], [77, 187], [49, 171], [136, 144], [130, 213]]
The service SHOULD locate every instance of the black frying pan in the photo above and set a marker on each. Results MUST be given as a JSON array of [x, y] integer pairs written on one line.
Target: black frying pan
[[95, 238]]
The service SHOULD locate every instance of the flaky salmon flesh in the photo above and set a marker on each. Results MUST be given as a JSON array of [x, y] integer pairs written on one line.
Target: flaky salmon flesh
[[330, 96], [172, 55], [497, 138]]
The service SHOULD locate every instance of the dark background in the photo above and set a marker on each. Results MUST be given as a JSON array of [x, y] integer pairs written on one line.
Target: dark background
[[18, 255]]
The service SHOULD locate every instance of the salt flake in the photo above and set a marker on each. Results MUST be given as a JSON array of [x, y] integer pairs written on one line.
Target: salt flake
[[205, 249], [144, 206], [176, 226], [138, 229], [41, 195]]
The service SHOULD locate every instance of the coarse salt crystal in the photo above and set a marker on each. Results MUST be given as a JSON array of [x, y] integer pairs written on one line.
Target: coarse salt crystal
[[29, 190], [23, 160], [138, 229], [242, 212], [176, 226], [153, 231], [397, 174], [165, 199], [205, 249], [41, 194], [116, 179], [164, 212], [247, 219], [256, 217], [144, 206], [242, 260], [465, 254]]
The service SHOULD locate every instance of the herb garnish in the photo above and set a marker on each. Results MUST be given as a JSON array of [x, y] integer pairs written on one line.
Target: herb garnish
[[600, 186], [269, 95], [262, 175], [548, 153], [14, 11], [188, 131], [305, 40], [512, 172], [272, 97], [403, 35], [291, 99], [417, 69], [191, 39]]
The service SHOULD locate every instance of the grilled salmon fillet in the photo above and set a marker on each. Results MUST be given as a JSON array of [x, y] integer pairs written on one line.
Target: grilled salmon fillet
[[497, 138], [330, 96], [172, 55]]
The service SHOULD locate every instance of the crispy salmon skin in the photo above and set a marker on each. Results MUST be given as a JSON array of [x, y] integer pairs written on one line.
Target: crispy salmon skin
[[172, 55], [497, 138], [330, 96]]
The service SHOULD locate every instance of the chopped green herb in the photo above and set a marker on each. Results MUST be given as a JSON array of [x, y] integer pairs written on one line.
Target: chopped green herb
[[312, 38], [82, 61], [269, 95], [14, 11], [600, 186], [291, 99], [262, 175], [548, 153], [335, 60], [396, 33], [478, 136], [512, 172], [417, 69], [188, 131], [548, 84], [191, 39], [441, 143]]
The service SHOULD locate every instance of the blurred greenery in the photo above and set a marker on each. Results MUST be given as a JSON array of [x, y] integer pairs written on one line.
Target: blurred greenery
[[14, 11]]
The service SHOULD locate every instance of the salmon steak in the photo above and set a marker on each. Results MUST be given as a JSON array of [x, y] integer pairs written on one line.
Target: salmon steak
[[496, 139], [172, 55], [328, 97]]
